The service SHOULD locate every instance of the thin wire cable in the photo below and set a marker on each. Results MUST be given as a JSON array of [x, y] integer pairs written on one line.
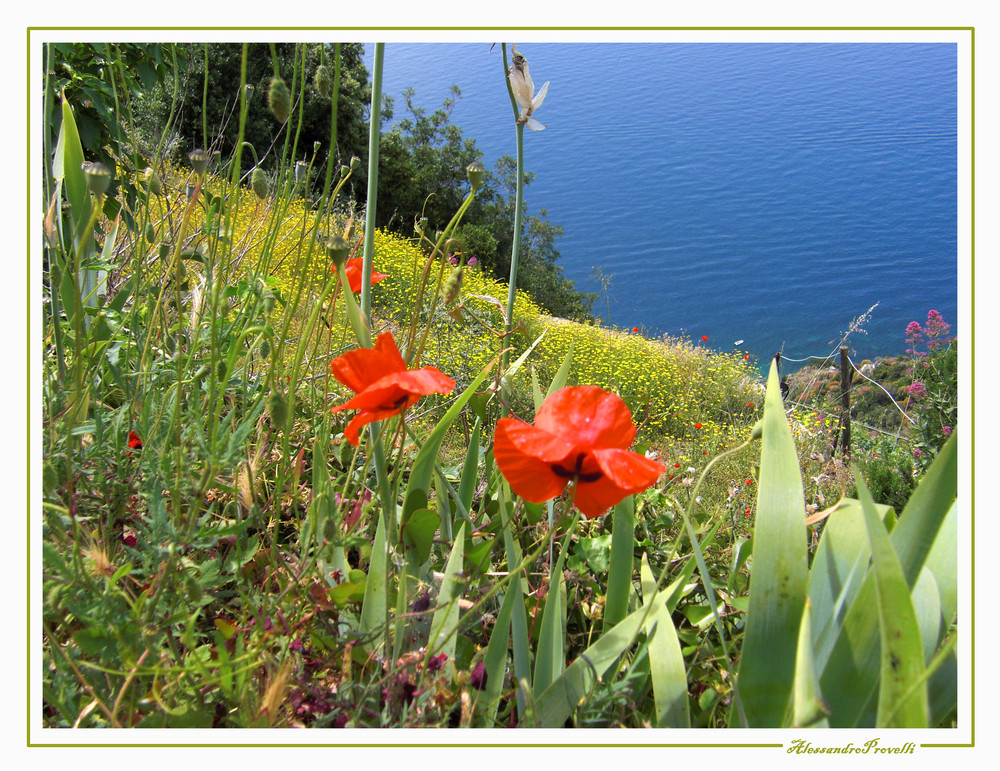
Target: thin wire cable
[[886, 392]]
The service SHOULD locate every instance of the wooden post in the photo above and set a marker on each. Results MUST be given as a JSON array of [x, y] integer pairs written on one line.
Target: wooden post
[[845, 402]]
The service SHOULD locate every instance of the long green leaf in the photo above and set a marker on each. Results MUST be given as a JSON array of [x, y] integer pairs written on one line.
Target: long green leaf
[[557, 702], [779, 574], [550, 657], [470, 469], [620, 570], [851, 673], [520, 642], [373, 605], [808, 708], [422, 469], [899, 634], [444, 624], [495, 659], [666, 662], [562, 373]]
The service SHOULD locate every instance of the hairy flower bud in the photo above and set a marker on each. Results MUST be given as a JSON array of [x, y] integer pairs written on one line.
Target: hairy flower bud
[[277, 408], [150, 233], [323, 81], [453, 286], [153, 182], [279, 101], [258, 182]]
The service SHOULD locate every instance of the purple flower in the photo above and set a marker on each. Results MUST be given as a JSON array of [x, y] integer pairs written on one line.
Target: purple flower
[[917, 452], [453, 259], [472, 262], [946, 430], [477, 678], [917, 390], [434, 663]]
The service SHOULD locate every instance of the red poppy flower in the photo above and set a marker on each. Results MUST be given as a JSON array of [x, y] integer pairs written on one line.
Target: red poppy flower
[[383, 384], [749, 481], [134, 442], [746, 355], [635, 329], [705, 338], [581, 433], [697, 425], [353, 269], [677, 465]]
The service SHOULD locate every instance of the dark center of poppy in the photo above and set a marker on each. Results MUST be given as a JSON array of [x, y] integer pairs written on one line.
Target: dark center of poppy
[[562, 471]]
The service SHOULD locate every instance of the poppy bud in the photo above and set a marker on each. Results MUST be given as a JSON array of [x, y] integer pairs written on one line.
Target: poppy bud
[[150, 233], [453, 286], [153, 182], [199, 161], [277, 408], [265, 348], [98, 177], [279, 101], [344, 171], [301, 169], [475, 171], [221, 370], [258, 182], [322, 81], [269, 301]]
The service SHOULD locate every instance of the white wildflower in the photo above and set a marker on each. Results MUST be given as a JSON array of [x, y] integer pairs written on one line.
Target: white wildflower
[[524, 91]]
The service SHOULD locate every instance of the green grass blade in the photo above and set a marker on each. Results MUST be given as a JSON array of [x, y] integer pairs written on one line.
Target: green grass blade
[[359, 323], [444, 624], [666, 662], [422, 470], [557, 702], [549, 655], [559, 381], [902, 653], [373, 605], [942, 561], [520, 642], [779, 575], [536, 391], [470, 469], [495, 659], [620, 570]]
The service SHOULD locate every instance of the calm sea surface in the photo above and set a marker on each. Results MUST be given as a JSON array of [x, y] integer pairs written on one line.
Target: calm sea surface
[[767, 193]]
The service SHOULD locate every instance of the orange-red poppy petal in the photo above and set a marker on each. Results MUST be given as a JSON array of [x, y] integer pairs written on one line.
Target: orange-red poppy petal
[[628, 470], [587, 416], [525, 454], [400, 390], [360, 368], [362, 419], [354, 270]]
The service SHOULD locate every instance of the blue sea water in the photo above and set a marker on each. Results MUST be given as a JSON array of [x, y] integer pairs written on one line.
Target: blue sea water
[[763, 192]]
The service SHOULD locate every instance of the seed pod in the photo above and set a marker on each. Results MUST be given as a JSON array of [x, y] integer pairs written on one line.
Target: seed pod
[[475, 171], [322, 81], [153, 182], [277, 408], [258, 182], [453, 286], [98, 177], [355, 162], [279, 101], [338, 249], [199, 161]]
